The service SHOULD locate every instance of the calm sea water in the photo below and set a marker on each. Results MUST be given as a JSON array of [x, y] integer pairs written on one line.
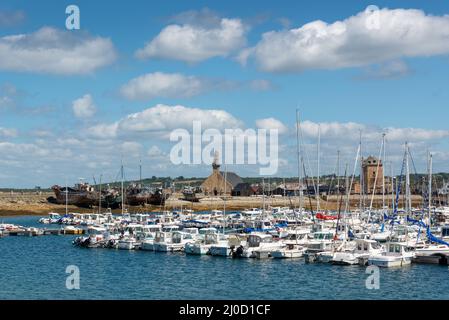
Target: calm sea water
[[34, 268]]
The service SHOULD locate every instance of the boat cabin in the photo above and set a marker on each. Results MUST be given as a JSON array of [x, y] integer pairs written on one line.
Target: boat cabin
[[395, 249], [254, 240], [180, 237], [365, 245]]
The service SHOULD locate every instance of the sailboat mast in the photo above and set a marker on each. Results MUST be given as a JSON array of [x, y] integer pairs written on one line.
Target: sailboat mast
[[263, 196], [338, 171], [66, 198], [430, 190], [383, 172], [362, 178], [318, 169], [122, 189], [298, 149], [224, 203], [99, 197], [407, 180], [393, 187]]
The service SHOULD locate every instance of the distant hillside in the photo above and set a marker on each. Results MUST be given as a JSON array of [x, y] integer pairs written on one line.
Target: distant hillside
[[180, 182]]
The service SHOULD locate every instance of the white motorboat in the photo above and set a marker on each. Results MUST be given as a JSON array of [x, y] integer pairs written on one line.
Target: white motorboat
[[96, 237], [172, 242], [396, 255], [53, 217], [290, 251], [128, 243], [207, 237], [322, 241], [258, 245], [362, 250]]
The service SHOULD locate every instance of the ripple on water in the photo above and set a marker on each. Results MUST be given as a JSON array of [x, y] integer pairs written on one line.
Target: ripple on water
[[34, 268]]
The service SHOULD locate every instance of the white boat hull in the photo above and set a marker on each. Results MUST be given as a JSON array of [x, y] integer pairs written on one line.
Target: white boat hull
[[389, 262], [220, 251], [287, 254]]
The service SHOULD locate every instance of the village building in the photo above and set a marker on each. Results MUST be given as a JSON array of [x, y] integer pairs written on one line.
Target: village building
[[219, 182], [246, 190]]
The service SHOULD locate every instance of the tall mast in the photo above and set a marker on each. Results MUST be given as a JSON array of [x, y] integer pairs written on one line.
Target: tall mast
[[66, 198], [375, 178], [407, 181], [224, 202], [99, 196], [263, 196], [122, 189], [298, 149], [362, 178], [318, 169], [338, 171], [393, 188], [383, 173], [430, 190]]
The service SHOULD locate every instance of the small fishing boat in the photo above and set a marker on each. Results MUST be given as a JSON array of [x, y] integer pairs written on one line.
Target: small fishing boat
[[363, 249], [128, 243], [396, 255], [52, 218], [206, 239], [258, 245], [95, 238], [290, 251]]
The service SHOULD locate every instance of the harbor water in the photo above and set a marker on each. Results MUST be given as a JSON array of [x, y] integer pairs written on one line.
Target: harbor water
[[35, 268]]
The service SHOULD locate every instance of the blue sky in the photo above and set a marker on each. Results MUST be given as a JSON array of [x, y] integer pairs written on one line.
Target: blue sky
[[374, 82]]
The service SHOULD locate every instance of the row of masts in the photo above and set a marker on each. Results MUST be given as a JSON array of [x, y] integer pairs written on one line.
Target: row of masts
[[382, 155]]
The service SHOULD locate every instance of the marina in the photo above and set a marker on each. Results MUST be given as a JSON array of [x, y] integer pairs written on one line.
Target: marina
[[138, 274], [215, 153]]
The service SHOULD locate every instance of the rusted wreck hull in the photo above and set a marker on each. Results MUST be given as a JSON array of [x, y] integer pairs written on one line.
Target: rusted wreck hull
[[141, 199], [79, 198]]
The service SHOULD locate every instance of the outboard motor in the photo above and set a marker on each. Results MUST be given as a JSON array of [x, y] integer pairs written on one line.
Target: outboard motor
[[238, 253]]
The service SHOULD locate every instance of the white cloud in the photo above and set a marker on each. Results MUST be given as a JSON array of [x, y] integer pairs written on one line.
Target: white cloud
[[50, 50], [194, 43], [103, 131], [162, 119], [84, 107], [415, 134], [366, 38], [131, 148], [8, 133], [271, 123], [160, 84], [351, 131]]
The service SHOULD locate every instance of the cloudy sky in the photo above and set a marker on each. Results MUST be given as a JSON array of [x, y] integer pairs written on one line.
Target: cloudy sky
[[74, 103]]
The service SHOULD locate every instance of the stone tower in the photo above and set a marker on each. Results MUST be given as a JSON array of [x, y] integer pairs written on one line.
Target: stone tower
[[370, 165]]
